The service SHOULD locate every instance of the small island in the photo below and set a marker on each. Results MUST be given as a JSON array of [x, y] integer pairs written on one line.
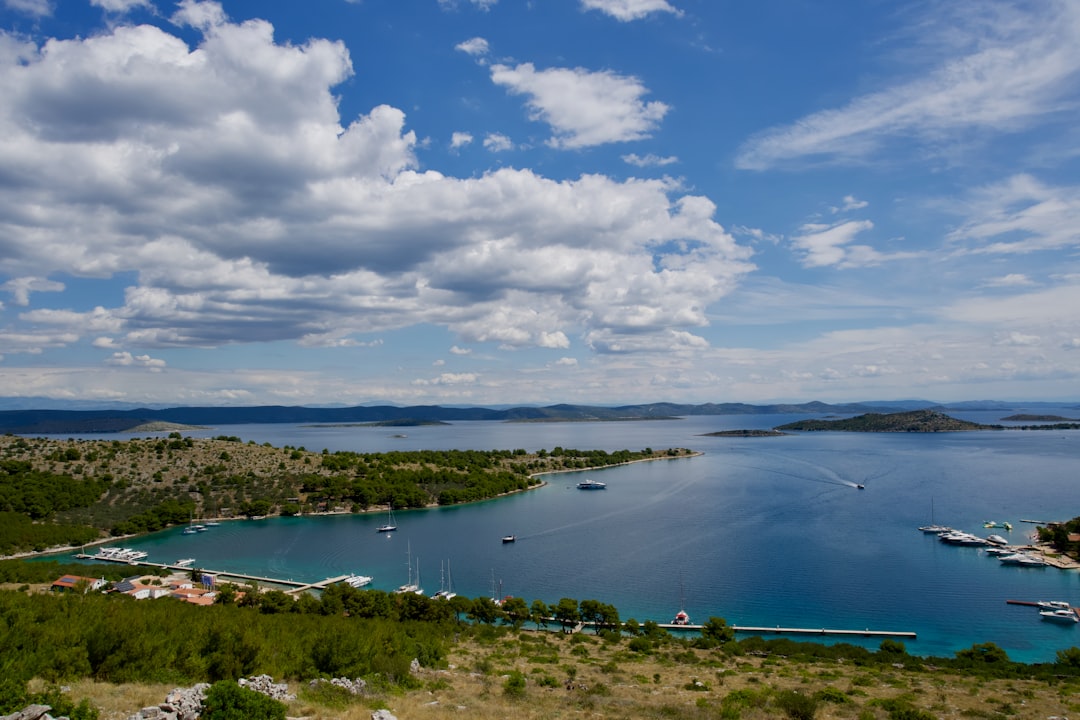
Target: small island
[[918, 421], [745, 433], [1038, 418]]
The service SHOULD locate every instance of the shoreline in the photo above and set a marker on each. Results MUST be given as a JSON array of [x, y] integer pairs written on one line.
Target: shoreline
[[370, 509]]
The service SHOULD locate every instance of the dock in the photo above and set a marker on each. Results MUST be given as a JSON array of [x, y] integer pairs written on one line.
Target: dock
[[779, 630], [294, 586]]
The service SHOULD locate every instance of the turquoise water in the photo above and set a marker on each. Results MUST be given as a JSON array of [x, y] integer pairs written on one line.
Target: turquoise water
[[760, 531]]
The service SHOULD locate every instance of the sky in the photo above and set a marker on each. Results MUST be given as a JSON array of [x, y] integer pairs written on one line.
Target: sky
[[488, 202]]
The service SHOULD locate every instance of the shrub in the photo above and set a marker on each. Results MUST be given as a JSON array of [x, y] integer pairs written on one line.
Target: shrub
[[225, 700], [514, 685], [796, 705]]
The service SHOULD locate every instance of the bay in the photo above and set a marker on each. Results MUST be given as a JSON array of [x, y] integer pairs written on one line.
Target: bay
[[760, 531]]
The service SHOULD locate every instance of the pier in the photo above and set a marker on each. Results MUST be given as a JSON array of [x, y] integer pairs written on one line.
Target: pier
[[294, 587], [779, 630]]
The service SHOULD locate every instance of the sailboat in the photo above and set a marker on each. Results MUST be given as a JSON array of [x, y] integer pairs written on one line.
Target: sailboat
[[446, 584], [390, 525], [410, 586], [681, 617], [932, 527]]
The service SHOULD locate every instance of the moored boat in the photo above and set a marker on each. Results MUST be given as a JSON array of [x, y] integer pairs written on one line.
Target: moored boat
[[391, 524], [1053, 605], [358, 581], [591, 485], [1066, 617]]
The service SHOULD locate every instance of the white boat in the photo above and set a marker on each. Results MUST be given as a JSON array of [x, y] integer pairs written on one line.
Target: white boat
[[1060, 616], [509, 538], [934, 528], [446, 584], [1053, 605], [189, 530], [184, 562], [411, 586], [1022, 560], [358, 581], [996, 540], [591, 485], [390, 525], [961, 538]]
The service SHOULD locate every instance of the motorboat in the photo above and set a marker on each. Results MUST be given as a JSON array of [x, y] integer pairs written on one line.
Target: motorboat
[[936, 529], [358, 581], [591, 485], [957, 537], [509, 538], [185, 562], [860, 486], [1060, 616], [1022, 560], [189, 530], [996, 540], [1053, 605]]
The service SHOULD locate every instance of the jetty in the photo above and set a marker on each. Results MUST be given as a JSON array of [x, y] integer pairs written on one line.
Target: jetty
[[294, 586], [780, 630]]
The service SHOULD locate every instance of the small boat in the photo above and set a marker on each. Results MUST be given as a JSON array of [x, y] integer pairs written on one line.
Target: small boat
[[996, 540], [185, 562], [189, 530], [212, 523], [509, 538], [591, 485], [390, 525], [446, 584], [358, 581], [860, 487], [1059, 616]]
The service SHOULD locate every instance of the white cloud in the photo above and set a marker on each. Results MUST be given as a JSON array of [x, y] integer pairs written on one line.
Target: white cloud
[[223, 180], [484, 5], [120, 6], [497, 142], [850, 203], [1019, 66], [449, 379], [477, 47], [1020, 215], [649, 160], [820, 245], [20, 288], [460, 140], [1017, 339], [37, 8], [567, 362], [1010, 280], [126, 359], [583, 108], [455, 350], [627, 10]]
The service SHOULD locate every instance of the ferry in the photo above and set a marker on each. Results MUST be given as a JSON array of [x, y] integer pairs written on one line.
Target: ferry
[[591, 485]]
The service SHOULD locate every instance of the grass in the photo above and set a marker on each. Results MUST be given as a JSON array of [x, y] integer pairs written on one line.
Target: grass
[[488, 679]]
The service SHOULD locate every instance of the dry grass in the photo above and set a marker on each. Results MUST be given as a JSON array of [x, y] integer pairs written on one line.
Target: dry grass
[[596, 679]]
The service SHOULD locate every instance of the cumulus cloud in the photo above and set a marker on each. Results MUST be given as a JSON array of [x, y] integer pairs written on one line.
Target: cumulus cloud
[[120, 6], [37, 8], [820, 245], [649, 160], [627, 10], [497, 142], [477, 47], [460, 139], [224, 182], [583, 108], [455, 350], [20, 288], [126, 359], [1014, 65]]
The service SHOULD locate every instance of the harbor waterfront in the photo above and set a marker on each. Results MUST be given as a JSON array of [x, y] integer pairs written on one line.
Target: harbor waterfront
[[765, 531]]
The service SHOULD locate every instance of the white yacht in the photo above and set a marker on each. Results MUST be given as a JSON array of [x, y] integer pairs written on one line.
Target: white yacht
[[1022, 560], [391, 524], [591, 485], [1060, 616], [1053, 605], [358, 581]]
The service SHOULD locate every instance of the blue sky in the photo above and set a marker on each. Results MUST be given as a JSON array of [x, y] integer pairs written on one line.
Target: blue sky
[[539, 201]]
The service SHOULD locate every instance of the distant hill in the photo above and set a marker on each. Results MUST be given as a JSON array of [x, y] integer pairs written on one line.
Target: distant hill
[[115, 420], [920, 421]]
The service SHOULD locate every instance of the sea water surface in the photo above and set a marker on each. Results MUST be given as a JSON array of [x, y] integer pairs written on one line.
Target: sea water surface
[[764, 531]]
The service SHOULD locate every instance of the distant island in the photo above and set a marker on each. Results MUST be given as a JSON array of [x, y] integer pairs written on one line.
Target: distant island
[[745, 433], [919, 421], [1038, 418]]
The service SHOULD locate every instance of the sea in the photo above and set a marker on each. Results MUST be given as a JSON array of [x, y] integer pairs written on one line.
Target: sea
[[761, 531]]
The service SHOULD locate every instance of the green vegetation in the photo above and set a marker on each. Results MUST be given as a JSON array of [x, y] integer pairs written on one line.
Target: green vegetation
[[1058, 535], [229, 701], [56, 493], [922, 421]]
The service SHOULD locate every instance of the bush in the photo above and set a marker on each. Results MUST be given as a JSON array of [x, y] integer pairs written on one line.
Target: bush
[[514, 685], [796, 705], [225, 700]]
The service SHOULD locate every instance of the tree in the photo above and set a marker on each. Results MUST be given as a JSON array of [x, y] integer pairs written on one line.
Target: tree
[[516, 611], [566, 612], [539, 613], [717, 632]]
